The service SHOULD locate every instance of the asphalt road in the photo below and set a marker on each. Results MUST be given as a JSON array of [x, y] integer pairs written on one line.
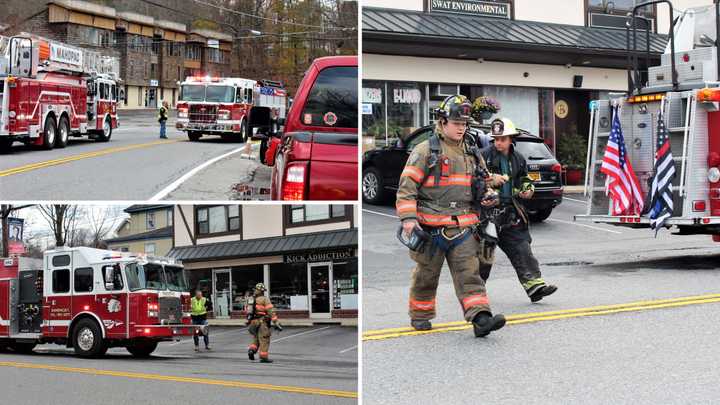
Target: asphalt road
[[654, 350], [134, 166], [315, 365]]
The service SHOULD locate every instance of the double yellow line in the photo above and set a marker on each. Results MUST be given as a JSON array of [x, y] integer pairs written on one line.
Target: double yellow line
[[518, 319], [68, 159], [206, 381]]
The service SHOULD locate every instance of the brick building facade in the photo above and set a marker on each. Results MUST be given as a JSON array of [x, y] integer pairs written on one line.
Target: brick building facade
[[155, 52]]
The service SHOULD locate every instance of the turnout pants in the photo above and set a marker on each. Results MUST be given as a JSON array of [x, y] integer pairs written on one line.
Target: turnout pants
[[200, 320], [463, 262], [515, 242], [260, 331]]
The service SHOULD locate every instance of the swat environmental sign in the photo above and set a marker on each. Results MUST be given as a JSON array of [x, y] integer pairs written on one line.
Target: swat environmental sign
[[471, 7]]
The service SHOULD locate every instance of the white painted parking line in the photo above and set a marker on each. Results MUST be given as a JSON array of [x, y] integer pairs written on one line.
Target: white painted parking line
[[572, 199], [348, 349], [584, 226], [380, 213], [301, 333], [175, 184], [211, 335]]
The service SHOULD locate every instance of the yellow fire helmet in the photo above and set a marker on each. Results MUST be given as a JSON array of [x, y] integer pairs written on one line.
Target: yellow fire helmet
[[260, 287], [503, 127]]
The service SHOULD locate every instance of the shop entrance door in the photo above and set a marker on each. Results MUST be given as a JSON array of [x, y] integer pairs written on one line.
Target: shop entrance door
[[222, 300], [320, 283]]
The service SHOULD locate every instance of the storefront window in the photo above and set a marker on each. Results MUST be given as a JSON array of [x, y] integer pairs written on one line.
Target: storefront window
[[288, 286], [547, 117], [612, 14], [304, 214], [345, 285], [244, 280], [406, 111], [520, 104], [200, 280], [373, 110], [218, 219]]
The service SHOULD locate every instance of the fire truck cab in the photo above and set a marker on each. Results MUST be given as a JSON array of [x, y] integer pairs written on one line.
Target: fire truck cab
[[91, 300], [50, 91], [686, 86], [224, 106]]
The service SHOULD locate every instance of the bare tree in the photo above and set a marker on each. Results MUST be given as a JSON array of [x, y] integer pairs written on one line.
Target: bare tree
[[101, 223], [62, 220]]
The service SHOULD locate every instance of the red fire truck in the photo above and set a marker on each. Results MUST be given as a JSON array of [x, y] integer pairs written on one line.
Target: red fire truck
[[91, 300], [50, 91], [223, 106], [686, 85]]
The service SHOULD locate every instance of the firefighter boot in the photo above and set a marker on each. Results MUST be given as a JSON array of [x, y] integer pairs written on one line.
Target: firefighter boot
[[541, 292], [265, 360], [484, 323], [251, 354], [419, 324]]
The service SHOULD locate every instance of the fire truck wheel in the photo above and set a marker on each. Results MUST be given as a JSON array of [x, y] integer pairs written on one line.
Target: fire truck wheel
[[63, 133], [87, 339], [244, 136], [106, 131], [24, 348], [194, 136], [49, 133], [142, 349]]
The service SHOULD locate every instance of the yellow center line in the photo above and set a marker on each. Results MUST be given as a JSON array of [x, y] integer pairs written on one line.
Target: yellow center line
[[68, 159], [206, 381], [550, 315]]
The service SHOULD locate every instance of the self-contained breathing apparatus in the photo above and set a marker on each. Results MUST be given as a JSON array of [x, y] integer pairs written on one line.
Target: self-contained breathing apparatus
[[252, 315]]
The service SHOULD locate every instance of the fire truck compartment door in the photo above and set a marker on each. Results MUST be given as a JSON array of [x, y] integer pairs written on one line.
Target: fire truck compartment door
[[111, 302], [58, 295]]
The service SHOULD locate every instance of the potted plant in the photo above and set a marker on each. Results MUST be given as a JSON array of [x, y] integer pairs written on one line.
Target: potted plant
[[571, 153], [484, 107]]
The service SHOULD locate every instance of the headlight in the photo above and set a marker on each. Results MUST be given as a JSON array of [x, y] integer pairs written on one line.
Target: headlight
[[223, 114], [183, 113], [714, 175]]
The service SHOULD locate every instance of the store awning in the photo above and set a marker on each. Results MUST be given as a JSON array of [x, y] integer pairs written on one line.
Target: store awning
[[415, 33], [267, 246]]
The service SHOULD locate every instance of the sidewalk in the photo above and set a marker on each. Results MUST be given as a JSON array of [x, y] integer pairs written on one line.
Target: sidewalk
[[290, 322], [574, 189], [237, 177]]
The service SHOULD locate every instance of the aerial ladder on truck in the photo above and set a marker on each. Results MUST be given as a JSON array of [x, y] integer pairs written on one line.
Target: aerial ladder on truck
[[50, 91]]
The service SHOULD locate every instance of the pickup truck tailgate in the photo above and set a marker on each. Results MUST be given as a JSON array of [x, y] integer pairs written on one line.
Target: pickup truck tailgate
[[333, 166]]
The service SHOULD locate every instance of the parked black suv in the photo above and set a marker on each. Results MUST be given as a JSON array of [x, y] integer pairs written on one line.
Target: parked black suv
[[382, 168]]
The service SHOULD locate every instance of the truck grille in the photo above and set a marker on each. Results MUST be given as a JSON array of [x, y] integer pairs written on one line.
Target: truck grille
[[170, 310], [206, 114]]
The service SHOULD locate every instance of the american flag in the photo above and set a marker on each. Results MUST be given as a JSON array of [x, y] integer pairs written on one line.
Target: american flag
[[661, 200], [621, 184]]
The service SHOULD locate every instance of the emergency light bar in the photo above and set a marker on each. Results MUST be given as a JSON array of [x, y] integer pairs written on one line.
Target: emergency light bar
[[645, 98], [708, 95]]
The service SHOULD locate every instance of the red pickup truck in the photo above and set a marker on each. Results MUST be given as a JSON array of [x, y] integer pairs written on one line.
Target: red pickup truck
[[316, 156]]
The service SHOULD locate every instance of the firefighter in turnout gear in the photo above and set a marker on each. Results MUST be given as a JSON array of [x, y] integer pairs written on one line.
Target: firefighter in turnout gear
[[434, 200], [513, 234], [261, 315]]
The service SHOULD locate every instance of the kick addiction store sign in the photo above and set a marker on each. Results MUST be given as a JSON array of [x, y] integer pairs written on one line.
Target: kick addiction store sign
[[500, 9]]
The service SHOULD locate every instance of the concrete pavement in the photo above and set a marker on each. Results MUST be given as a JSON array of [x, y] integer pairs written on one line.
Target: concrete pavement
[[658, 354], [315, 365]]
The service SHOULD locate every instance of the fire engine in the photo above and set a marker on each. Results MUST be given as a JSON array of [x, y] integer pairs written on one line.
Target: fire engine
[[223, 106], [91, 300], [51, 91], [687, 86]]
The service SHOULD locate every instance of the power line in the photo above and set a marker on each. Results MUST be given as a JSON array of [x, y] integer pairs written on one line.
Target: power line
[[256, 16]]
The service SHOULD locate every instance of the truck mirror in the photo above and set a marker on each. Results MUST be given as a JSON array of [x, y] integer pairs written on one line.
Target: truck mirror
[[109, 273]]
